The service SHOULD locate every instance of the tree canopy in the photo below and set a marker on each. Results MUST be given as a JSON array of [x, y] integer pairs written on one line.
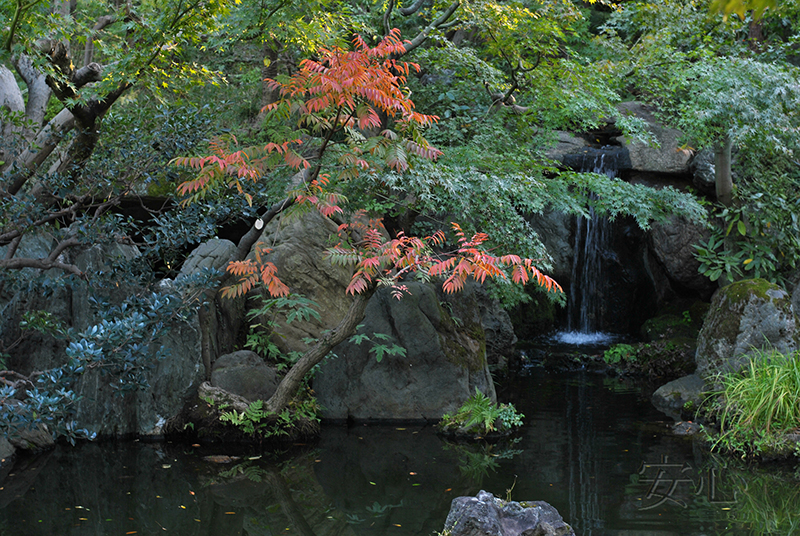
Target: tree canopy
[[406, 112]]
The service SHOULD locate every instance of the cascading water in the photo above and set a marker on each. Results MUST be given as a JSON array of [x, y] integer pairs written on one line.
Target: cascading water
[[588, 288]]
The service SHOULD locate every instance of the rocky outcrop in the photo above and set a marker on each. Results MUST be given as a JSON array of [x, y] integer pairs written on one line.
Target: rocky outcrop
[[245, 374], [102, 407], [444, 361], [486, 515], [667, 157], [672, 244], [297, 250], [212, 254], [566, 143], [496, 323], [745, 315]]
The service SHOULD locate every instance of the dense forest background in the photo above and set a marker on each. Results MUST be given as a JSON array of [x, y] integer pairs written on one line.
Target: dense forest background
[[98, 99]]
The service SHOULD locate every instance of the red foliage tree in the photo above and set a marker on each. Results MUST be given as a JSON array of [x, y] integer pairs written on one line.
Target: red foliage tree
[[343, 91]]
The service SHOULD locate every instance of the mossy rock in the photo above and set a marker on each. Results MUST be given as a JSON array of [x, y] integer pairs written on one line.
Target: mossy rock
[[744, 315]]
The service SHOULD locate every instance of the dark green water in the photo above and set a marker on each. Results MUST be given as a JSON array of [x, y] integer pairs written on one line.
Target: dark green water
[[592, 447]]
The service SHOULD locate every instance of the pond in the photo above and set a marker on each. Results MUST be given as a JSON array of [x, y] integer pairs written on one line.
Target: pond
[[592, 446]]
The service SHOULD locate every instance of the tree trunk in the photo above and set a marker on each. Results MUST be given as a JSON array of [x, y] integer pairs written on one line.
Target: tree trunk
[[347, 326], [46, 141], [722, 171]]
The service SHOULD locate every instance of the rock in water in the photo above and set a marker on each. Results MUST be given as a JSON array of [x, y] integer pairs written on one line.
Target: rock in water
[[486, 515]]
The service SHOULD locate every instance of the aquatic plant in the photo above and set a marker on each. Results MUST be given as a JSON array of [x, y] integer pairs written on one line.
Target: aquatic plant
[[480, 416]]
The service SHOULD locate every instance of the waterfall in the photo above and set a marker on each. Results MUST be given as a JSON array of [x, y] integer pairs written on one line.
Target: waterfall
[[588, 285]]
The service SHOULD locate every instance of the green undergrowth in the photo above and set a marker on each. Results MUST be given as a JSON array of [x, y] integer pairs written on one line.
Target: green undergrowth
[[757, 410], [480, 417]]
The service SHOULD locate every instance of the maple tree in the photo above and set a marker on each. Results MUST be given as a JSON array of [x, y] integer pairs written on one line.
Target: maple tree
[[349, 91]]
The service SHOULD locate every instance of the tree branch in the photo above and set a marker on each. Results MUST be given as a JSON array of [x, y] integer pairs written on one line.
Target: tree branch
[[291, 382], [410, 10], [423, 35], [102, 22], [41, 264], [45, 143]]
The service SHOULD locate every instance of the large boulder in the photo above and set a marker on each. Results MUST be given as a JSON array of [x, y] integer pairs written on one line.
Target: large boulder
[[245, 374], [486, 515], [555, 230], [444, 361], [671, 243], [667, 157], [109, 412], [298, 251], [745, 315]]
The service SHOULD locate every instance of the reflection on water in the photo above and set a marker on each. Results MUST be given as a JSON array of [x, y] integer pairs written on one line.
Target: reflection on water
[[591, 446]]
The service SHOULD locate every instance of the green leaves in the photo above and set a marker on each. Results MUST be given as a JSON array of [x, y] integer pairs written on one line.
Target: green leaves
[[380, 350]]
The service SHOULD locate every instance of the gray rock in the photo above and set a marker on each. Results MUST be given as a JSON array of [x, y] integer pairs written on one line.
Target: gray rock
[[500, 337], [796, 299], [103, 408], [555, 231], [110, 413], [702, 167], [745, 315], [7, 450], [673, 396], [671, 243], [40, 438], [566, 144], [668, 157], [444, 363], [213, 254], [245, 374], [486, 515], [298, 251]]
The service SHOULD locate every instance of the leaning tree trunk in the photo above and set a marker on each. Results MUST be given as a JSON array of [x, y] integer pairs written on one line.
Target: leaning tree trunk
[[722, 171], [347, 326]]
